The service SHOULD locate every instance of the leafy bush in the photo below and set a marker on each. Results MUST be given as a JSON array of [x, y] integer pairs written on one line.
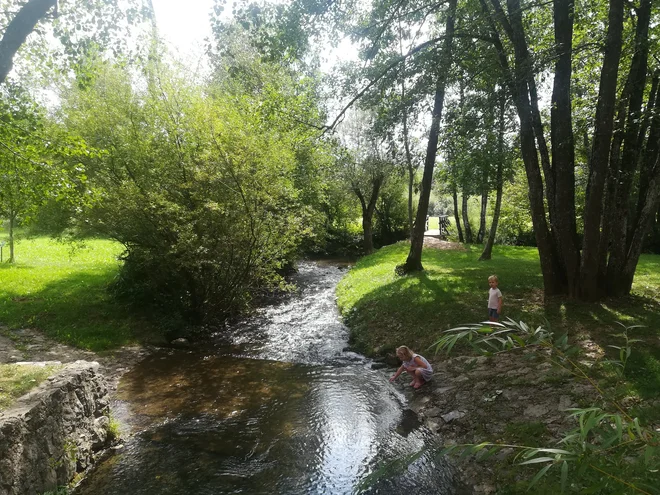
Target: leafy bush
[[201, 190]]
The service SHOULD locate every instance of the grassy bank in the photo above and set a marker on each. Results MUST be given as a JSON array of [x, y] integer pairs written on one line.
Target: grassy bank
[[17, 380], [63, 292], [384, 310]]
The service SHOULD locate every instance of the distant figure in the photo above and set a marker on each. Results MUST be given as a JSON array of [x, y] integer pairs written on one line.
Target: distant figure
[[415, 365], [494, 299]]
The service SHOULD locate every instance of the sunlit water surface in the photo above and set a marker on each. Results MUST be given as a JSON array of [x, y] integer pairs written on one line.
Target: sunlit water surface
[[277, 407]]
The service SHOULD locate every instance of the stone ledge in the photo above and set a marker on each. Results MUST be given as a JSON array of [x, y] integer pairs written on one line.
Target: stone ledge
[[53, 432]]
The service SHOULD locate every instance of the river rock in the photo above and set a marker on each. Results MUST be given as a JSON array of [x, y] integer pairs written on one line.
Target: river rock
[[451, 416]]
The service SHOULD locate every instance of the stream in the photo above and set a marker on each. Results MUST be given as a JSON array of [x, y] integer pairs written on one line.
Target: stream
[[276, 406]]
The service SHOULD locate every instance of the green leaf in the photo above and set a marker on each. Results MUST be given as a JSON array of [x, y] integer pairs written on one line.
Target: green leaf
[[564, 476], [538, 476], [537, 460]]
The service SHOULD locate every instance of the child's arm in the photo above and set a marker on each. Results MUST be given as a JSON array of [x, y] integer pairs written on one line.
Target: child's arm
[[398, 372], [499, 304]]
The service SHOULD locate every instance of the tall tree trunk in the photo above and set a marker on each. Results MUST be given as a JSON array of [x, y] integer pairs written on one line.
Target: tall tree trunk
[[482, 216], [488, 248], [564, 227], [466, 219], [414, 260], [18, 30], [554, 277], [406, 140], [620, 213], [457, 218], [646, 165]]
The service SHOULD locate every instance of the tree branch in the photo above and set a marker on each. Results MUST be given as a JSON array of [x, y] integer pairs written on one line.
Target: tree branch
[[18, 30]]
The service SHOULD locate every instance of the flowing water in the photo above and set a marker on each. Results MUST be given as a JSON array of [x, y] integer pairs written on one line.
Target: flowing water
[[275, 407]]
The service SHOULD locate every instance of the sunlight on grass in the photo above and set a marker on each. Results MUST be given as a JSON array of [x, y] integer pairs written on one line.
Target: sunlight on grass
[[17, 380], [63, 292], [384, 310]]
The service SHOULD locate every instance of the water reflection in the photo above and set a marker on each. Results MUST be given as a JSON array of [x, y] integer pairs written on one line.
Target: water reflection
[[279, 410]]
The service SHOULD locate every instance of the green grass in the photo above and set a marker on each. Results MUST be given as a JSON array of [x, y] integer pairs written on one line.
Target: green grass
[[384, 310], [63, 292], [17, 380]]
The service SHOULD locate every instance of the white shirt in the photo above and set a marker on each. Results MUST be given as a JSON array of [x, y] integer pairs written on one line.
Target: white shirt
[[494, 298]]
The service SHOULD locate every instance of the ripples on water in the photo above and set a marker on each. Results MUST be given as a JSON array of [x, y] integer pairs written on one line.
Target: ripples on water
[[280, 409]]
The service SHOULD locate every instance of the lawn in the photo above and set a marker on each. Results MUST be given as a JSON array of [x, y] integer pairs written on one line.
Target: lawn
[[384, 310], [62, 291]]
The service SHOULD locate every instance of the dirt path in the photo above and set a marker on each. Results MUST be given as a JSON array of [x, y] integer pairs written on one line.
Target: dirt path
[[31, 345]]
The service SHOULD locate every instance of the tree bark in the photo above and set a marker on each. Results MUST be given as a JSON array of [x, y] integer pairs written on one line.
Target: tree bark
[[647, 150], [466, 220], [457, 218], [620, 213], [18, 30], [482, 215], [488, 248], [554, 278], [564, 227], [414, 260], [368, 209]]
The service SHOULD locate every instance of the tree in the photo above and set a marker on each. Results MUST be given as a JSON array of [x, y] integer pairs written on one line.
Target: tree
[[18, 30], [500, 158], [80, 26], [365, 167], [604, 263], [414, 260], [25, 177]]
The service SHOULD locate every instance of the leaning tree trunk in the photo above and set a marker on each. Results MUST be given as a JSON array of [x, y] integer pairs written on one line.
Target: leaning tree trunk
[[18, 30], [409, 160], [457, 218], [466, 220], [414, 260], [488, 248]]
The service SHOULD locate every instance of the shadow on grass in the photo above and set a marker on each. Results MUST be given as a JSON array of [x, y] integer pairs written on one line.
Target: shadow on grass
[[77, 310], [387, 311]]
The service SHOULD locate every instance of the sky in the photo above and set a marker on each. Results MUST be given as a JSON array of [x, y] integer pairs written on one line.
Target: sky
[[184, 24]]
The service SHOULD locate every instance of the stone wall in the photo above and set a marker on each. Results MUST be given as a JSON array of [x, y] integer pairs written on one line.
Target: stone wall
[[53, 432]]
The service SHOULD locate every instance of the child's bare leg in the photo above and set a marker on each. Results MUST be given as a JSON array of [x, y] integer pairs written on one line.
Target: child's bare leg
[[419, 380]]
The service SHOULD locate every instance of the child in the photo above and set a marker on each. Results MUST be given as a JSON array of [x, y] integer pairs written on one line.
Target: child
[[414, 364], [494, 299]]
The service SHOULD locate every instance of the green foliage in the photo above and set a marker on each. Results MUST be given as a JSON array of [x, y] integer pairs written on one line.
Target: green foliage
[[199, 186], [608, 451], [391, 219], [384, 310], [113, 429], [515, 225]]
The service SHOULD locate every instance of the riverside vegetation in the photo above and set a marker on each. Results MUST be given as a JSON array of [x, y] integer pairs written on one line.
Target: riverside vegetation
[[613, 426]]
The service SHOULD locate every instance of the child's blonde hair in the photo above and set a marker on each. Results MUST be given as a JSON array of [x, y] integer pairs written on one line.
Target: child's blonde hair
[[404, 351], [493, 278]]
